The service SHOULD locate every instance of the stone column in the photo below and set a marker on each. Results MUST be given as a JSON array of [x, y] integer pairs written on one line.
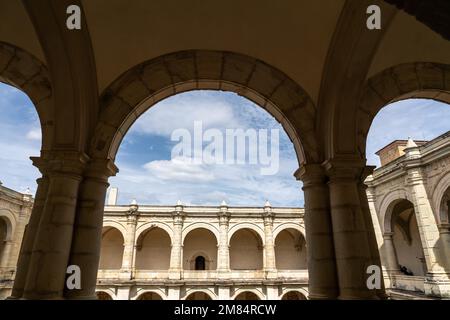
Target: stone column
[[5, 258], [223, 254], [87, 237], [269, 246], [31, 230], [371, 225], [53, 239], [353, 249], [176, 262], [392, 265], [223, 292], [173, 292], [323, 283], [126, 271]]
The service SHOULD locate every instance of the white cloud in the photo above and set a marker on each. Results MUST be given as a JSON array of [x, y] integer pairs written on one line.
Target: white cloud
[[34, 134], [177, 112], [179, 169]]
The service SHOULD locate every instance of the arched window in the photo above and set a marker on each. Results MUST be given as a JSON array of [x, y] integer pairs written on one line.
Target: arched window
[[200, 263]]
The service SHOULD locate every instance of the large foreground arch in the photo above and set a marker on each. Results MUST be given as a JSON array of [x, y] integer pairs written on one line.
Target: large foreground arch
[[148, 83]]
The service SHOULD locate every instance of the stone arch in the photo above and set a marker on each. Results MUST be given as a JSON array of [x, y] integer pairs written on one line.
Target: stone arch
[[290, 249], [208, 292], [10, 220], [116, 225], [246, 225], [387, 205], [149, 294], [256, 292], [150, 225], [303, 293], [409, 80], [198, 240], [108, 291], [200, 225], [437, 199], [141, 292], [103, 295], [153, 247], [22, 70], [111, 252], [289, 225], [149, 82]]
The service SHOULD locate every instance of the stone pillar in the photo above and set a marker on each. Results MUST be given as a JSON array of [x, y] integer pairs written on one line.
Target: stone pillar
[[353, 249], [173, 292], [392, 265], [272, 292], [269, 246], [123, 292], [323, 283], [370, 223], [129, 250], [53, 239], [87, 237], [223, 254], [31, 230], [5, 258], [223, 292], [176, 262]]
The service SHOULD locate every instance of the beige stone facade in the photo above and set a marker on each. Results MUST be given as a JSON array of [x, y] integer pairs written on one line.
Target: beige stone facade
[[15, 211], [409, 202], [176, 252]]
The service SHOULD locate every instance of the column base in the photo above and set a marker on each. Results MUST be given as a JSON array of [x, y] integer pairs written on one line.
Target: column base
[[437, 285]]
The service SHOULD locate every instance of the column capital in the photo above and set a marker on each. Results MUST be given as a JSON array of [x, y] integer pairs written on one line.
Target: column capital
[[310, 174], [61, 161], [347, 168], [178, 215], [101, 169]]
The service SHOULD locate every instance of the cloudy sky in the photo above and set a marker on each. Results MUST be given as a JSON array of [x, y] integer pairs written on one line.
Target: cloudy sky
[[149, 172]]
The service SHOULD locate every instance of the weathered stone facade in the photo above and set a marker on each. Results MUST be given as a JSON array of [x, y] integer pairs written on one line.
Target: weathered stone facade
[[15, 211], [408, 198]]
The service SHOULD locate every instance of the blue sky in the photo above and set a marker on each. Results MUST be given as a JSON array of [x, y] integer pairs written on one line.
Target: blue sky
[[149, 174]]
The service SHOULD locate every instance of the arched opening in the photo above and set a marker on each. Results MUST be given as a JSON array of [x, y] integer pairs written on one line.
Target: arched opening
[[111, 252], [200, 263], [102, 295], [290, 250], [444, 207], [3, 238], [407, 240], [149, 296], [247, 295], [200, 250], [246, 250], [199, 295], [153, 250], [293, 295], [394, 123]]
